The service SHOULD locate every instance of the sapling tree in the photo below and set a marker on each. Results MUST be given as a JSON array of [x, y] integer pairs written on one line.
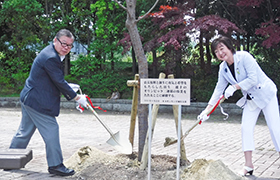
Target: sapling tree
[[131, 25]]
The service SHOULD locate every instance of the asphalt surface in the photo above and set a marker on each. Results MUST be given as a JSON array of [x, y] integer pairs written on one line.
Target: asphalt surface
[[214, 139]]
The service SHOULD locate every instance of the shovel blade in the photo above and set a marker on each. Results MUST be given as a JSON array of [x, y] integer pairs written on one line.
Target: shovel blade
[[120, 144]]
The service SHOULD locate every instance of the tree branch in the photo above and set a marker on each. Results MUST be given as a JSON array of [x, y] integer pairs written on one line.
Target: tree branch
[[236, 22], [270, 10], [141, 17], [121, 5]]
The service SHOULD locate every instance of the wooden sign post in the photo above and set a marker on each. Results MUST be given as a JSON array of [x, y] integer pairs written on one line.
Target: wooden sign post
[[133, 83]]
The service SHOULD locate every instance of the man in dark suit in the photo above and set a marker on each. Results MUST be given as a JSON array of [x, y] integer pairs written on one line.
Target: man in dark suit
[[40, 101]]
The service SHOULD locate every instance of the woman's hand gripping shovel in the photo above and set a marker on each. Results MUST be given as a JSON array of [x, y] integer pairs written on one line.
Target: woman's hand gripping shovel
[[169, 141], [121, 144]]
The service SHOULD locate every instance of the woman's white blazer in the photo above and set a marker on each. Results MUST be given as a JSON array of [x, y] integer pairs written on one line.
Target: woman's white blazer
[[249, 76]]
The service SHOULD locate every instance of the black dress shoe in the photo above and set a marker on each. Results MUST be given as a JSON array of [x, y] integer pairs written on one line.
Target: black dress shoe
[[61, 170]]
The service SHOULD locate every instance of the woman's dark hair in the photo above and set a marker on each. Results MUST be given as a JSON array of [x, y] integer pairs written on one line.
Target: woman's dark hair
[[226, 41]]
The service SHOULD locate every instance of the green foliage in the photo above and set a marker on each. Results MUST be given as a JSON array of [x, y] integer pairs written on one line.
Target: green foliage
[[19, 79], [104, 10], [99, 82], [20, 23], [82, 21], [105, 21], [84, 66], [21, 17], [193, 53], [202, 86], [103, 84], [269, 60], [7, 87], [15, 70], [108, 27], [28, 25]]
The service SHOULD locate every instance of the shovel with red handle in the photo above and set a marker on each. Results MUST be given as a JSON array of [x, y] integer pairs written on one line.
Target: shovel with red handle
[[118, 142], [170, 141]]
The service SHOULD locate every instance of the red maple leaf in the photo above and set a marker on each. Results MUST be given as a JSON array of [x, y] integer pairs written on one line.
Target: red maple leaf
[[271, 31]]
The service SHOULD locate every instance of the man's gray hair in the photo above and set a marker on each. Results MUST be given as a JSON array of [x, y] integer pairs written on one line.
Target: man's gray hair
[[65, 32]]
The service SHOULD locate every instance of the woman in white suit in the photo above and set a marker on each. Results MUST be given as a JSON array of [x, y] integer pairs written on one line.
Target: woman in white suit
[[241, 71]]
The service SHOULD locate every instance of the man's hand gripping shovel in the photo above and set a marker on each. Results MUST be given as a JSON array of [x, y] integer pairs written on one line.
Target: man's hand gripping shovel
[[169, 141], [121, 144]]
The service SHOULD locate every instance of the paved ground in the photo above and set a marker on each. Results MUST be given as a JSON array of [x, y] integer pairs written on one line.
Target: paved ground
[[214, 139]]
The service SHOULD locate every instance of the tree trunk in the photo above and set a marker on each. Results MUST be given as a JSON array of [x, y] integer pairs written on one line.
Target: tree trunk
[[155, 64], [238, 42], [178, 60], [208, 56], [201, 53], [112, 61], [131, 25], [248, 43], [134, 62], [67, 65]]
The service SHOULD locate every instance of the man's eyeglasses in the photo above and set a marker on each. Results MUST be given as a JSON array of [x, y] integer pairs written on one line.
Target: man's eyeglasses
[[65, 44]]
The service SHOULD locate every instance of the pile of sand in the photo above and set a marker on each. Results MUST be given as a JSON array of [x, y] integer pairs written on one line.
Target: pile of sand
[[87, 156], [94, 164], [209, 170]]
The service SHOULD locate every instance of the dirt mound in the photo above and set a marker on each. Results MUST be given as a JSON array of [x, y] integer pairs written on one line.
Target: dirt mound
[[87, 156], [91, 163], [202, 169]]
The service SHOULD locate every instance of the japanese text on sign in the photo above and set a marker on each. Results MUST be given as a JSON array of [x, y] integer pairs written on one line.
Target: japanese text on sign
[[165, 91]]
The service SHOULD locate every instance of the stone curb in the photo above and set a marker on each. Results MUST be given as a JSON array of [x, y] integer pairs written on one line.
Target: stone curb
[[124, 105]]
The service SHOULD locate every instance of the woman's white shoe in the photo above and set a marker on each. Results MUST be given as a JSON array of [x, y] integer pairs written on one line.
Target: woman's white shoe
[[247, 170]]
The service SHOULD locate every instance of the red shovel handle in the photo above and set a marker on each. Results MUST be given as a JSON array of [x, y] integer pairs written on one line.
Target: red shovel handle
[[96, 107], [221, 99]]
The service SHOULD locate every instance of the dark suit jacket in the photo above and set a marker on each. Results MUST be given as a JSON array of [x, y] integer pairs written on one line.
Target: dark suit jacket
[[45, 83]]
